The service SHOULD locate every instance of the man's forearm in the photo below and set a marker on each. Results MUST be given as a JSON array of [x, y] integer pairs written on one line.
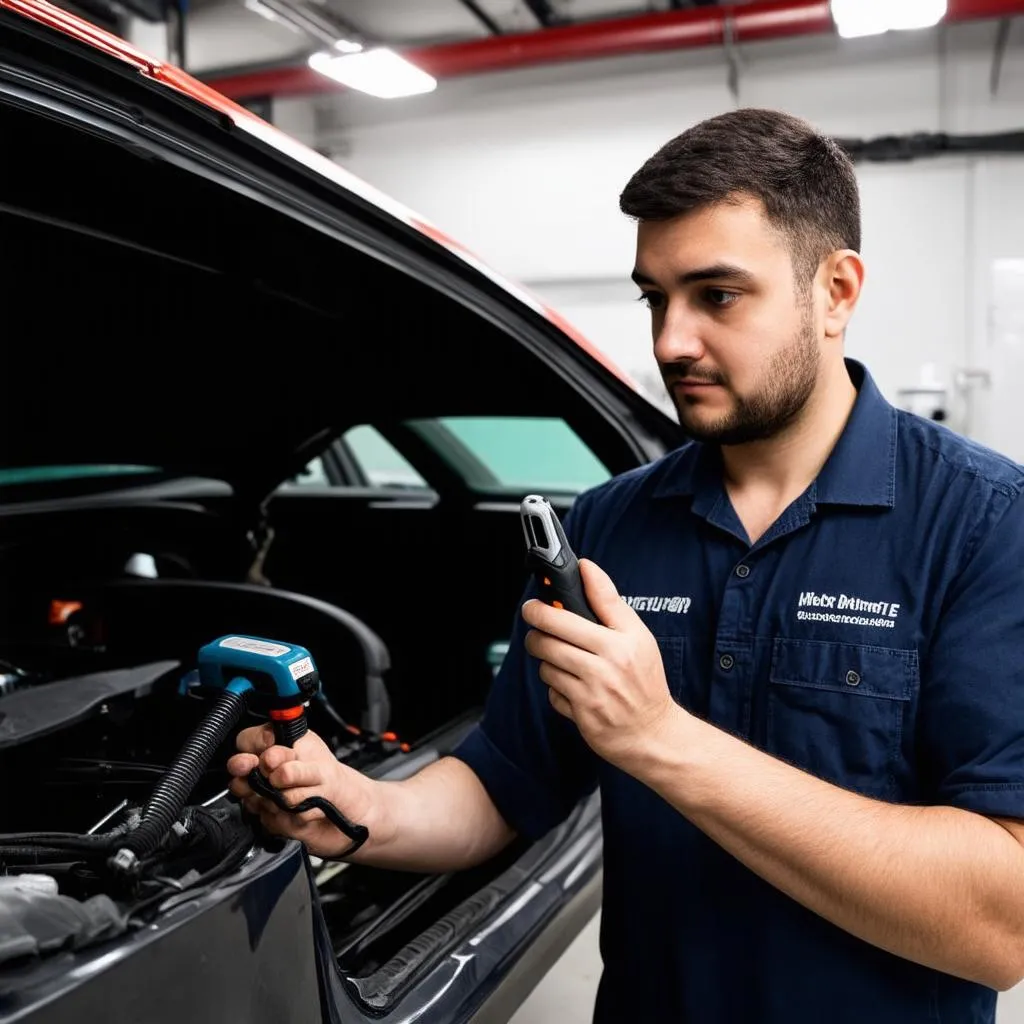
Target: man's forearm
[[441, 819], [937, 885]]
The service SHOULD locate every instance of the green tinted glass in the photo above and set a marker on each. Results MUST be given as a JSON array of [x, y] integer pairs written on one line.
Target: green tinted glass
[[529, 452], [382, 463]]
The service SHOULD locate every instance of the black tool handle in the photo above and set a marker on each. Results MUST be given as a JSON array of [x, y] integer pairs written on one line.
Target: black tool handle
[[562, 586], [550, 558], [287, 731]]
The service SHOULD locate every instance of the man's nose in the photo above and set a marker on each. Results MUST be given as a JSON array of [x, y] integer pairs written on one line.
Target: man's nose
[[677, 338]]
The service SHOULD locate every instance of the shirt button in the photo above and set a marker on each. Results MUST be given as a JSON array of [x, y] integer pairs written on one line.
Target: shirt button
[[726, 661], [743, 571], [852, 678]]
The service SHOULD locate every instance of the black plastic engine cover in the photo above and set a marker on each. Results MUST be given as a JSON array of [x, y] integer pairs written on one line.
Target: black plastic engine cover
[[34, 712]]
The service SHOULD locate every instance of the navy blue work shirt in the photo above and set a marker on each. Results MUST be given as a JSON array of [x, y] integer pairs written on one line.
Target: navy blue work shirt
[[874, 636]]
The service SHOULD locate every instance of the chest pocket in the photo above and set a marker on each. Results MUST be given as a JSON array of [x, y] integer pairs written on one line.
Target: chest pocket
[[838, 711]]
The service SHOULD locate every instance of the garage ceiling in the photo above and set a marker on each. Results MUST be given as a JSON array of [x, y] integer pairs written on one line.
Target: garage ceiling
[[228, 36], [419, 22]]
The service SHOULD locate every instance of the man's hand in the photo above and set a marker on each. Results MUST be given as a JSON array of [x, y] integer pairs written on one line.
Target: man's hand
[[609, 679], [308, 769]]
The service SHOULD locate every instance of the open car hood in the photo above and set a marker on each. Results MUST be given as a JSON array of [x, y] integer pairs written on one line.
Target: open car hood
[[242, 427], [185, 414], [244, 301]]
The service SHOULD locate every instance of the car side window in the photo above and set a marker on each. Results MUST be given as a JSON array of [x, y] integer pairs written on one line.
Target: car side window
[[381, 462], [314, 474], [496, 454], [362, 457], [517, 453]]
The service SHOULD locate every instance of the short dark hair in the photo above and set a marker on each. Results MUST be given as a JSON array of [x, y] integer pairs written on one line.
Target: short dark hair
[[804, 179]]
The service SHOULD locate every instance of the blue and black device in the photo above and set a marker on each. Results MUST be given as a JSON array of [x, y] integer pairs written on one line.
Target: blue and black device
[[276, 678], [245, 672]]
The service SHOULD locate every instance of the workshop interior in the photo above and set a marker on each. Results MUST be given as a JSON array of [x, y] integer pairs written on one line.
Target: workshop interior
[[318, 317]]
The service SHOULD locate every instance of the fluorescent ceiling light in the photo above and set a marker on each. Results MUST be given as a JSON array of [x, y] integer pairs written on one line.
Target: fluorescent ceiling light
[[920, 14], [380, 72], [855, 18]]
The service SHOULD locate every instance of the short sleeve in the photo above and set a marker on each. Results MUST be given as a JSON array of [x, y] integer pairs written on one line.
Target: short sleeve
[[972, 699], [532, 761]]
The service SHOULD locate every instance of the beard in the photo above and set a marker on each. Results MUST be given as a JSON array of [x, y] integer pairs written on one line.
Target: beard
[[784, 390]]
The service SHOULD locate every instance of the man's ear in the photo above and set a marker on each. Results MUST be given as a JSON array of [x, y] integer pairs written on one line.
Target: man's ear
[[844, 279]]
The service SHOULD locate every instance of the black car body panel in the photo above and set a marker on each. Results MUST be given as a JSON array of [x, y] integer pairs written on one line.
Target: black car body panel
[[264, 924], [276, 964]]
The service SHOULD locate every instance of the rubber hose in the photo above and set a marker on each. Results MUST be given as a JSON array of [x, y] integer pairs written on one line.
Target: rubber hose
[[173, 790]]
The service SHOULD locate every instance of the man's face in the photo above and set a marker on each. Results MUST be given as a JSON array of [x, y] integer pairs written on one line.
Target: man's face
[[734, 330]]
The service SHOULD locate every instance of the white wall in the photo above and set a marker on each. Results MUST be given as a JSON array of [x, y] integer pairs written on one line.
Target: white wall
[[526, 167], [997, 334], [223, 35]]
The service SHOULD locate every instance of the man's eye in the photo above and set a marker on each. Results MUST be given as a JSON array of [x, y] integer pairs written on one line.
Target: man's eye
[[653, 300], [720, 298]]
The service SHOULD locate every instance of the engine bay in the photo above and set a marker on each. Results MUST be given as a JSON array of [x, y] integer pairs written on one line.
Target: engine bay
[[84, 755], [100, 689]]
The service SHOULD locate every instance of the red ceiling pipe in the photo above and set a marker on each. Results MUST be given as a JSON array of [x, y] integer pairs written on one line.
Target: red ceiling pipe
[[671, 30]]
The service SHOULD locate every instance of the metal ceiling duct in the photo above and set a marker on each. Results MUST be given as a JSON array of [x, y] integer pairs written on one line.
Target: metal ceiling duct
[[672, 30]]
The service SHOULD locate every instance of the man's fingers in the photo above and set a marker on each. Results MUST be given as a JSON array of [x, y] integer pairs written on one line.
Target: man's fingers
[[256, 805], [240, 788], [304, 827], [274, 821], [280, 821], [240, 765], [559, 653], [559, 681], [604, 599], [559, 703], [296, 773], [255, 739], [272, 759], [296, 779], [565, 625], [294, 797]]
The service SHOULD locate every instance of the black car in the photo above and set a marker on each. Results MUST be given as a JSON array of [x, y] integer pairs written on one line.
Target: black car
[[244, 395]]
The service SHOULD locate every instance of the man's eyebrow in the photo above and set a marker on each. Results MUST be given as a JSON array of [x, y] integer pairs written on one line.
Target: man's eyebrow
[[716, 272]]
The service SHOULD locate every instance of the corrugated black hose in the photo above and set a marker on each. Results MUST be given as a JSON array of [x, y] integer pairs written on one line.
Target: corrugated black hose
[[130, 847], [168, 799]]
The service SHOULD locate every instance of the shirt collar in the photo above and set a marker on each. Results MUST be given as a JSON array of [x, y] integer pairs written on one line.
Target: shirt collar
[[861, 470]]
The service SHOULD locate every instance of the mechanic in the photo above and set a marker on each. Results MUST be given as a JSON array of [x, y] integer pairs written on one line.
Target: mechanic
[[805, 705]]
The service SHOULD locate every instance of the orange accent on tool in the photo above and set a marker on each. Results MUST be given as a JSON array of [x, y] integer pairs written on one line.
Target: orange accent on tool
[[354, 729], [61, 611], [389, 737], [405, 748], [286, 714], [557, 604], [547, 582]]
